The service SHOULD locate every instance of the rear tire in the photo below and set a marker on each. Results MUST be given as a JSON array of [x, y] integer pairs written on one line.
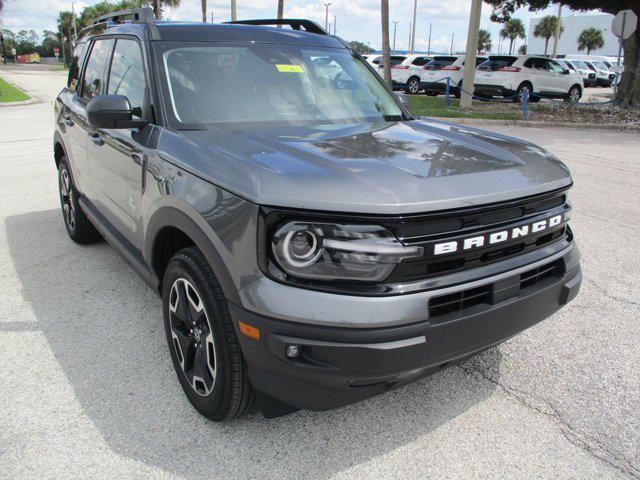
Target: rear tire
[[202, 341], [413, 86], [79, 227], [524, 87]]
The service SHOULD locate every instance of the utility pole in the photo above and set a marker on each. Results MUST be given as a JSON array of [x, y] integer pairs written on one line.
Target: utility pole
[[471, 54], [334, 25], [326, 16], [234, 13], [395, 26], [451, 49], [413, 30], [211, 17], [429, 47], [73, 19], [557, 36]]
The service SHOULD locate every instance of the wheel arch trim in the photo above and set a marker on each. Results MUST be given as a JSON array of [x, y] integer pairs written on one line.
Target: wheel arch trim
[[174, 216]]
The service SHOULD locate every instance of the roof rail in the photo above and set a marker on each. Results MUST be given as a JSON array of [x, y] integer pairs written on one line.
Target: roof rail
[[138, 15], [295, 23]]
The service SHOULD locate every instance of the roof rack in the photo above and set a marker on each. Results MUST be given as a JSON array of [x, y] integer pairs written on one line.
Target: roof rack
[[138, 15], [295, 23]]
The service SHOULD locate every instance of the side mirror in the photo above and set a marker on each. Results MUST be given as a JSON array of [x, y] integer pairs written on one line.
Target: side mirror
[[566, 71], [405, 100], [112, 111]]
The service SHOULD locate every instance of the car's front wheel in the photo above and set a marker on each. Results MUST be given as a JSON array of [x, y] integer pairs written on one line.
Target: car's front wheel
[[574, 95], [413, 85], [79, 227], [202, 341]]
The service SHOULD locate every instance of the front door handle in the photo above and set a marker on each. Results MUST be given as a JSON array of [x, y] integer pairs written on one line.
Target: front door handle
[[68, 122], [96, 138]]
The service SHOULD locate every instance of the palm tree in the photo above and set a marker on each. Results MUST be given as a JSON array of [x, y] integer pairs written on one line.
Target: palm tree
[[590, 39], [513, 29], [280, 9], [484, 40], [65, 28], [546, 28], [386, 51], [203, 3]]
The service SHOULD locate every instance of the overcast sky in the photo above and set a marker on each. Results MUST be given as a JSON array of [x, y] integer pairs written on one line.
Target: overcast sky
[[356, 19]]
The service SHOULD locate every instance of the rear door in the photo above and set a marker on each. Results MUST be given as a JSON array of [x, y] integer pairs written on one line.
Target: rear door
[[92, 84]]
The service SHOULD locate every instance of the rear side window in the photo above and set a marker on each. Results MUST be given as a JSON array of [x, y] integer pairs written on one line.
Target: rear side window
[[93, 79], [536, 63], [127, 74], [494, 63], [420, 61]]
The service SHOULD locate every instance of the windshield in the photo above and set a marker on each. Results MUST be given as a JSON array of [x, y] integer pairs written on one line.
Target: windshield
[[600, 65], [580, 65], [223, 83]]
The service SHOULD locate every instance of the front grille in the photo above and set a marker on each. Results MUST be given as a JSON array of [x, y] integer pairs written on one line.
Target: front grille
[[493, 293], [425, 230]]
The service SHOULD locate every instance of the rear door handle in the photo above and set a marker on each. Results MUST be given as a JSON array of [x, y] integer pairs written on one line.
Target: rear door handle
[[96, 138]]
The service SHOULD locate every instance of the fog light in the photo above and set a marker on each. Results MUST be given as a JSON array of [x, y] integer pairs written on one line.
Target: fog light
[[293, 351]]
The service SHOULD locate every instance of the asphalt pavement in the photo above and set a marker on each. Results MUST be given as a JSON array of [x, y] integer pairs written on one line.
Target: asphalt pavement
[[87, 389]]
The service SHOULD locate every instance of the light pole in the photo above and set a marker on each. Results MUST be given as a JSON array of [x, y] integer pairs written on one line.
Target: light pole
[[410, 28], [334, 25], [73, 19], [451, 49], [395, 26], [326, 16], [413, 31], [429, 46]]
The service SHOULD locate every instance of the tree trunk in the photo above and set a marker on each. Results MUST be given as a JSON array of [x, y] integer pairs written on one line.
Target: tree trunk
[[629, 91], [204, 10], [157, 8], [546, 46], [280, 9], [511, 46], [386, 52]]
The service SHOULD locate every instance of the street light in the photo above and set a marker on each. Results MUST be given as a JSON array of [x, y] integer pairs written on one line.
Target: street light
[[326, 16], [395, 26], [413, 32]]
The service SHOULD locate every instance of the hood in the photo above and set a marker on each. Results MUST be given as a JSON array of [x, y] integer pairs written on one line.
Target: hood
[[388, 168]]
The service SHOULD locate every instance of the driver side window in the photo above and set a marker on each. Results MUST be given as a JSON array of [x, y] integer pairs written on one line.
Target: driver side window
[[126, 76], [93, 79]]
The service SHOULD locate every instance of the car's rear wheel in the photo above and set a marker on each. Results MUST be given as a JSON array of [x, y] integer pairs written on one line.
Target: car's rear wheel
[[524, 89], [202, 341], [79, 227], [413, 85], [574, 95]]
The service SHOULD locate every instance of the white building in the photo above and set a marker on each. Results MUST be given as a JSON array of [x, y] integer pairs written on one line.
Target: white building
[[573, 25]]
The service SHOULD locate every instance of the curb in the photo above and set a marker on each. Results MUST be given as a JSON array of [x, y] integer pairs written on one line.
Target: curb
[[536, 123]]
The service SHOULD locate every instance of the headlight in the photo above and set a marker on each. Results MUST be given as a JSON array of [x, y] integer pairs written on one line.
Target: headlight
[[323, 251]]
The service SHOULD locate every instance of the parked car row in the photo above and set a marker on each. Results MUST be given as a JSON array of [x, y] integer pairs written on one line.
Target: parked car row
[[507, 76]]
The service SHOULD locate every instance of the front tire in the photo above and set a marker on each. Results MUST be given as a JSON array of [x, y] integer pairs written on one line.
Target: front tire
[[79, 227], [202, 341], [574, 95], [413, 85]]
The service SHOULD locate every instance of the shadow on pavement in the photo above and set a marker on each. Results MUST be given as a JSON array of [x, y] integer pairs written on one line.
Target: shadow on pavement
[[104, 327]]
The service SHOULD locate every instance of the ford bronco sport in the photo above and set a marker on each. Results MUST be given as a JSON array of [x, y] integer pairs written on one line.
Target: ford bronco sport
[[313, 243]]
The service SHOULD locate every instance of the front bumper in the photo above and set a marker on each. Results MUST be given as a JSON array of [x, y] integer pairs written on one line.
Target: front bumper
[[338, 366]]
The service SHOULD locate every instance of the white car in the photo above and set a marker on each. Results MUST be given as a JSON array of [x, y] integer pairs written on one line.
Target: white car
[[512, 76], [581, 68], [603, 76], [407, 75], [441, 67]]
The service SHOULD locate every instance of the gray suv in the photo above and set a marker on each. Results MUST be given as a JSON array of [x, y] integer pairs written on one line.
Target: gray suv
[[312, 242]]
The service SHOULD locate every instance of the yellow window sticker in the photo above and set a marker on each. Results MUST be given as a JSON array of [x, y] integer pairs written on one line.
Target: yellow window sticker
[[290, 68]]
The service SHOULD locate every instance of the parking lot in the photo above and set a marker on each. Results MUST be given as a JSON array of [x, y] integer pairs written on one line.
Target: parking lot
[[87, 389]]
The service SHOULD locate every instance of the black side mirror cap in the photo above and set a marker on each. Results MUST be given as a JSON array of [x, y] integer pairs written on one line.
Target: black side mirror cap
[[566, 71], [112, 111]]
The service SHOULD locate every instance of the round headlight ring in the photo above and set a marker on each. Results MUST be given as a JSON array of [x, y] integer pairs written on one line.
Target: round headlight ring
[[304, 259]]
